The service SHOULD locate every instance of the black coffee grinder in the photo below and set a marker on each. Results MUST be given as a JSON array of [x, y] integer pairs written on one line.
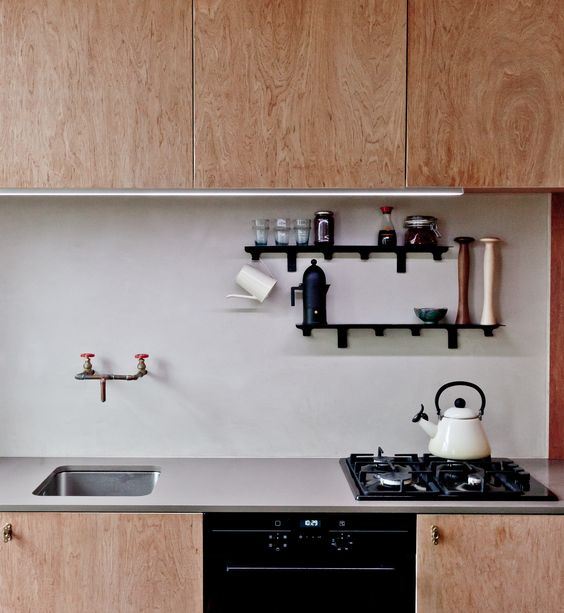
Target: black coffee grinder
[[314, 287]]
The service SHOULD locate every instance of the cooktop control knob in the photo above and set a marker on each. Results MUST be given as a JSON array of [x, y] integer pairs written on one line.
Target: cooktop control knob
[[341, 542], [277, 541]]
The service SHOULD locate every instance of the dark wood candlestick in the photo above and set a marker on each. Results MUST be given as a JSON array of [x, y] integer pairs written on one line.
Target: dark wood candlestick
[[463, 314]]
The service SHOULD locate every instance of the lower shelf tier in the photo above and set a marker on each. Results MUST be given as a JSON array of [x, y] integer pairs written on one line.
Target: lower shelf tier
[[379, 329]]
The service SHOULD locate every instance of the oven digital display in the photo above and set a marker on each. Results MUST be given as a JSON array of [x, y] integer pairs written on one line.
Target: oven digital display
[[310, 523]]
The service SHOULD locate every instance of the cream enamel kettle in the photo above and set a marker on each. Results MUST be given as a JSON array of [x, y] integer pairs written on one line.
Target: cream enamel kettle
[[459, 435]]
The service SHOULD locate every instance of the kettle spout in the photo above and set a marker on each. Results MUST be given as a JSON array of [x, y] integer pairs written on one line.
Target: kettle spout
[[430, 428], [423, 419]]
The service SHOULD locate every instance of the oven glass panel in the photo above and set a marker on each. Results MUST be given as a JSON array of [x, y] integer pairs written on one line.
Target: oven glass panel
[[295, 563]]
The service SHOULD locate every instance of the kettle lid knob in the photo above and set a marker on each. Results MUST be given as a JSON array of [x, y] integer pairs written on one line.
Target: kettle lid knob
[[460, 403]]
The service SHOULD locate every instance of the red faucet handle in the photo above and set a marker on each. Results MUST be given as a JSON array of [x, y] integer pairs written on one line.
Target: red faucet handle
[[141, 356], [87, 366]]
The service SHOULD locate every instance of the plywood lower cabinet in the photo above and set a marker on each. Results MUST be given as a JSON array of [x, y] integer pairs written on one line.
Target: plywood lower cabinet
[[101, 563], [152, 562], [490, 563]]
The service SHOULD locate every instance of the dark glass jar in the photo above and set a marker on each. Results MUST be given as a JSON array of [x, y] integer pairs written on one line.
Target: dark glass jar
[[421, 230], [324, 228]]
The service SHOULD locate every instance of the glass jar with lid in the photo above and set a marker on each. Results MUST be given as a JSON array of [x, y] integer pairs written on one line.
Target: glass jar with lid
[[324, 228], [421, 230]]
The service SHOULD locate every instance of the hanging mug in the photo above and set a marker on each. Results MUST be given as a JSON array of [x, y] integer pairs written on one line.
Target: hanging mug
[[254, 281]]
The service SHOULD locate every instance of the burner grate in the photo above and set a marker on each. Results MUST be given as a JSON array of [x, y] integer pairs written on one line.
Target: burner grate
[[410, 476]]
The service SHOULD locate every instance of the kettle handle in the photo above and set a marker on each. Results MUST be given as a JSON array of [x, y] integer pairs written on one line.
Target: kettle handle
[[454, 383]]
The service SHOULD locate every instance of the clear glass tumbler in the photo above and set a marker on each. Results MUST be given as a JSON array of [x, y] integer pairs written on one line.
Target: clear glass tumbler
[[282, 231], [260, 228], [302, 229]]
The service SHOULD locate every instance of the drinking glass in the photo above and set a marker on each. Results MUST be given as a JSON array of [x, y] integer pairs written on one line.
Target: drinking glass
[[260, 228], [282, 231], [301, 231]]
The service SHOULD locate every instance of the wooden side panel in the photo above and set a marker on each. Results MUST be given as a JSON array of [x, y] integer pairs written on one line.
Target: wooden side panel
[[96, 93], [486, 93], [490, 563], [556, 393], [97, 563], [299, 93]]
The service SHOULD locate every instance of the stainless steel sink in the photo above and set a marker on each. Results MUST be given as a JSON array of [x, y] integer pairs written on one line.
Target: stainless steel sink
[[99, 481]]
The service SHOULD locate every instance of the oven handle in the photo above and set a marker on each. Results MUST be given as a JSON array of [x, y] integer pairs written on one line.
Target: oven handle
[[311, 568]]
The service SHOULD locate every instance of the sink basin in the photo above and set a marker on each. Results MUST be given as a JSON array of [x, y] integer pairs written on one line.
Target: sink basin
[[99, 481]]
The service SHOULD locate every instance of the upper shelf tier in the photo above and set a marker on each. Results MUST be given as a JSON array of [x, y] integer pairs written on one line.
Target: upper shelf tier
[[364, 251]]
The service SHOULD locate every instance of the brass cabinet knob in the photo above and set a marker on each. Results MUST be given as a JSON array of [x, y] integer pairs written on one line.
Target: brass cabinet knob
[[435, 535], [7, 531]]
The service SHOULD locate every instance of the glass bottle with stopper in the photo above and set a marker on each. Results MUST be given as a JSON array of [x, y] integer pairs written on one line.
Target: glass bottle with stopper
[[387, 235]]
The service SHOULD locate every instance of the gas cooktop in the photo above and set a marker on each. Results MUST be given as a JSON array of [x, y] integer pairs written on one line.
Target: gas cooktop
[[428, 477]]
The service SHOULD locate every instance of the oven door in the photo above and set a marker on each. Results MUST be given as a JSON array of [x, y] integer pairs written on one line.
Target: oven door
[[291, 570]]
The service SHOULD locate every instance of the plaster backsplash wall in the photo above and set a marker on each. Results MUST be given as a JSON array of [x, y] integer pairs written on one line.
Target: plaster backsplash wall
[[235, 378]]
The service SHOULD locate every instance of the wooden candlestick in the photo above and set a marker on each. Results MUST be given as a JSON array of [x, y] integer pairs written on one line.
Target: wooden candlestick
[[488, 311], [463, 313]]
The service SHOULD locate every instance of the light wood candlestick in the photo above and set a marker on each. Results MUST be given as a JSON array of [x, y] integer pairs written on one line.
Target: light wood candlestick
[[488, 311]]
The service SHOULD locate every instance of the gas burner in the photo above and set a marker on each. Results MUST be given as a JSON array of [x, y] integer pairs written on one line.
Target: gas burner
[[470, 487], [454, 473], [386, 474], [411, 476], [475, 479], [377, 468], [399, 476]]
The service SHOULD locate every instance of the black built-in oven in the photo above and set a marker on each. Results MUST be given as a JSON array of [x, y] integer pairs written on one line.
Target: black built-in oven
[[309, 562]]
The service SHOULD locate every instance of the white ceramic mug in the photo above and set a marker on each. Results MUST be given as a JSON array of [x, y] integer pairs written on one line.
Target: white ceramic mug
[[254, 281]]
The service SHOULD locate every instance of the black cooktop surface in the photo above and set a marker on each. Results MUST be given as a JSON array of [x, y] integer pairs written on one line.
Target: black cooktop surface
[[427, 477]]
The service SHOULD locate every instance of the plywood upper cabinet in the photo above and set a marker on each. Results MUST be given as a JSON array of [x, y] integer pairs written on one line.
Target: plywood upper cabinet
[[96, 93], [490, 563], [299, 93], [101, 563], [486, 93]]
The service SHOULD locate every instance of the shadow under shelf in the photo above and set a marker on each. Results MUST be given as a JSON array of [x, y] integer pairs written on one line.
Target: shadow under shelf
[[363, 251], [415, 328]]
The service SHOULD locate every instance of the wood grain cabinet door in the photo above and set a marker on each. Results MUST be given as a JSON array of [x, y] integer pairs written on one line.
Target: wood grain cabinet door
[[490, 563], [299, 93], [101, 563], [96, 94], [486, 93]]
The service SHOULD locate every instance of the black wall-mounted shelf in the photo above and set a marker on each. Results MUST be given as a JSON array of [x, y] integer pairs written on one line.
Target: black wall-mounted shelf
[[364, 252], [379, 329]]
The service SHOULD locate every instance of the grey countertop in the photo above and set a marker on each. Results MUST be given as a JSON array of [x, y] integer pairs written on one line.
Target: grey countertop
[[246, 484]]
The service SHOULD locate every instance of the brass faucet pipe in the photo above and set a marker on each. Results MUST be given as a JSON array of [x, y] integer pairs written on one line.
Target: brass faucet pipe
[[81, 376], [84, 376], [89, 373]]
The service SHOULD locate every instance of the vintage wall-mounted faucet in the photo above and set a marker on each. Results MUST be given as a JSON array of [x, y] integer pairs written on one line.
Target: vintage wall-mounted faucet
[[89, 373]]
